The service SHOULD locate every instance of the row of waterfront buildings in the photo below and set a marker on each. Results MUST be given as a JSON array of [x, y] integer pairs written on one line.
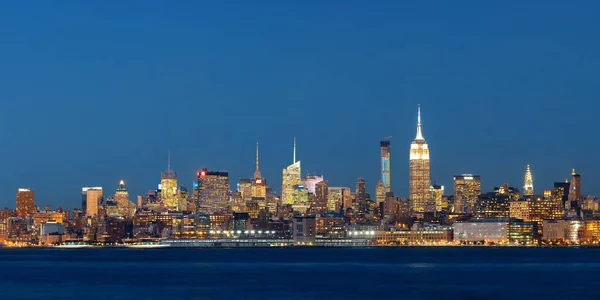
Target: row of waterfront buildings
[[309, 210]]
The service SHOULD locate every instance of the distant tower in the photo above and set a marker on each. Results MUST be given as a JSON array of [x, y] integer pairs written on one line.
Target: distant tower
[[575, 187], [380, 191], [291, 177], [259, 184], [168, 187], [419, 174], [122, 199], [386, 163], [257, 172], [528, 187], [361, 195]]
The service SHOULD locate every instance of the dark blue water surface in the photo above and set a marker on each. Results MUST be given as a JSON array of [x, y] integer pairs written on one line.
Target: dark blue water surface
[[301, 273]]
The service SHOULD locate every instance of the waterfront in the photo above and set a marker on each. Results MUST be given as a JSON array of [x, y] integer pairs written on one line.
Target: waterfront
[[301, 273]]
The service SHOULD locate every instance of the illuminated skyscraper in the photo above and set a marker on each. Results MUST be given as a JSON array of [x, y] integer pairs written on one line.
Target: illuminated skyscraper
[[467, 187], [168, 188], [339, 199], [361, 195], [259, 184], [437, 194], [213, 191], [93, 198], [291, 177], [528, 187], [575, 187], [25, 202], [561, 193], [122, 199], [321, 196], [386, 163], [419, 175], [380, 191]]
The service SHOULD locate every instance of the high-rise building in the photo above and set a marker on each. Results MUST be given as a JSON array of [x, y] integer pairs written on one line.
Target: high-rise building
[[437, 195], [245, 187], [386, 163], [291, 177], [213, 191], [310, 182], [561, 193], [380, 191], [361, 195], [259, 184], [94, 196], [122, 198], [168, 188], [575, 187], [25, 202], [467, 187], [321, 196], [339, 199], [528, 186], [419, 175]]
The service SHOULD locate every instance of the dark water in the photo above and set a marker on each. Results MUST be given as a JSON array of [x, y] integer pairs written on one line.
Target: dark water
[[309, 273]]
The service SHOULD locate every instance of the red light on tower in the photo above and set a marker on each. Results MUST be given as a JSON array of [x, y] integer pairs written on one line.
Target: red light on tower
[[203, 173]]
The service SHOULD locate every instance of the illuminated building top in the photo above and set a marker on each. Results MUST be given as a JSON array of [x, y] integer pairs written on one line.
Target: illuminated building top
[[528, 186]]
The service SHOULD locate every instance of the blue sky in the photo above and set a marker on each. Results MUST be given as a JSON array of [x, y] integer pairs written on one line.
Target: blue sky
[[97, 91]]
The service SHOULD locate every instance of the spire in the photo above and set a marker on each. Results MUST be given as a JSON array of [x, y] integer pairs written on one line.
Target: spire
[[169, 161], [573, 173], [294, 149], [257, 172], [419, 133]]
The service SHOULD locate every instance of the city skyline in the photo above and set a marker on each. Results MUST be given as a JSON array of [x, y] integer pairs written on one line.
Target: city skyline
[[98, 93]]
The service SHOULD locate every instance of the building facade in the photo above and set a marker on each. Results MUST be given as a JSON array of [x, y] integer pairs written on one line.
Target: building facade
[[386, 164], [291, 177], [467, 187], [419, 173], [25, 202], [213, 191]]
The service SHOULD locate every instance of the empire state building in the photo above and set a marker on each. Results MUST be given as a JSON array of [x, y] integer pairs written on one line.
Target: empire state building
[[419, 176]]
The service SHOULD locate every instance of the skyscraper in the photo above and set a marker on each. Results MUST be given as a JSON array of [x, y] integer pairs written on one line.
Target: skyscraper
[[361, 195], [528, 186], [291, 177], [321, 196], [380, 191], [213, 191], [168, 188], [561, 193], [437, 194], [122, 198], [93, 197], [25, 202], [575, 187], [419, 175], [467, 187], [259, 184], [386, 163]]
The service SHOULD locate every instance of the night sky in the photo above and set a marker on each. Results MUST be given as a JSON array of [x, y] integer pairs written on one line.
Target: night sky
[[97, 91]]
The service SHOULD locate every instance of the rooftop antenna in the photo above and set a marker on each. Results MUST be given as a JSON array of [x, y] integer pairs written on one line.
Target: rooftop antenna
[[169, 161], [294, 149]]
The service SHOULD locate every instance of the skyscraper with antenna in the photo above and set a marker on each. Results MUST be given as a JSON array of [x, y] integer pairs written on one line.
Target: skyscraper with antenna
[[168, 187], [291, 178], [528, 184], [259, 184], [419, 174]]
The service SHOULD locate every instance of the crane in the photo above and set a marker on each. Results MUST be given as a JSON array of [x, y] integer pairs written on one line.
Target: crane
[[386, 138]]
